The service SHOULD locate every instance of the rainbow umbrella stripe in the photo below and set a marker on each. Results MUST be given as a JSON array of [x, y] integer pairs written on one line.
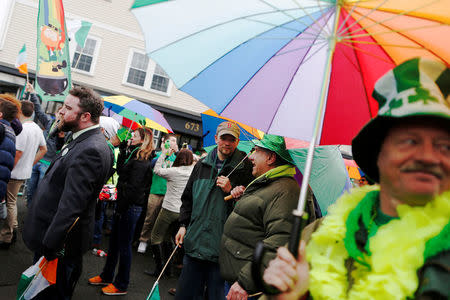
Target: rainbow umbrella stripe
[[137, 111], [268, 63]]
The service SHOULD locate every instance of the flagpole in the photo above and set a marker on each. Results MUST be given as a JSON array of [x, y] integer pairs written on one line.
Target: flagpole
[[167, 262], [28, 80], [300, 216], [162, 272], [23, 90]]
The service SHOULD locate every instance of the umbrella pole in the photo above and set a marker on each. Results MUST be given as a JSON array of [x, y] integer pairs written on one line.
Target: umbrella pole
[[300, 217]]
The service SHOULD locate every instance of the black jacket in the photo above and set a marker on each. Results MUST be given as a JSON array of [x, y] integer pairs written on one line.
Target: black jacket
[[135, 178], [69, 190], [7, 154]]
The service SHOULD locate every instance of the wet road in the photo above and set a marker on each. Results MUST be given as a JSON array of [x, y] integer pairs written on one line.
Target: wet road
[[15, 260]]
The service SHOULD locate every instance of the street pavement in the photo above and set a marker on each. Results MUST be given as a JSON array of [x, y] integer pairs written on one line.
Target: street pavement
[[18, 258]]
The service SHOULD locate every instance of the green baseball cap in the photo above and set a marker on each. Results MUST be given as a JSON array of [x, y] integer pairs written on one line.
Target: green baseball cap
[[417, 88], [276, 144]]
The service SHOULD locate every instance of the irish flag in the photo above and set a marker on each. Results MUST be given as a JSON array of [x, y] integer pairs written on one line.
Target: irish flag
[[154, 293], [78, 30], [21, 62], [37, 278]]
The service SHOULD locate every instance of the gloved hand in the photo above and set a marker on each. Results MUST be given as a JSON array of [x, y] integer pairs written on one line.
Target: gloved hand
[[50, 254]]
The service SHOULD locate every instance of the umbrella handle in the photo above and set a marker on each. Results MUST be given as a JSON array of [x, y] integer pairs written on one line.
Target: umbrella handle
[[258, 255], [300, 222], [297, 228]]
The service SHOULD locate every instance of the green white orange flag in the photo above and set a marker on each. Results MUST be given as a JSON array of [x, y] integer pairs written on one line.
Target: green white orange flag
[[154, 293], [53, 60], [37, 278], [21, 61], [78, 31]]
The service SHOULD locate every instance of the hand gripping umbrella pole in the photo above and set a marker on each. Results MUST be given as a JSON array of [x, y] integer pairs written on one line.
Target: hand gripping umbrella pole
[[300, 216]]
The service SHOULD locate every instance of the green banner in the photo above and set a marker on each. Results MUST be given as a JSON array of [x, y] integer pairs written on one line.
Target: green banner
[[53, 61]]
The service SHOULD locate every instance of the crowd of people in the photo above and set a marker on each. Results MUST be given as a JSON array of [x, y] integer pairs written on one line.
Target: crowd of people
[[388, 240]]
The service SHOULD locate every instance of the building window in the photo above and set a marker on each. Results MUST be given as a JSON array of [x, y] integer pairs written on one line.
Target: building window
[[144, 73], [84, 58], [138, 69], [160, 81]]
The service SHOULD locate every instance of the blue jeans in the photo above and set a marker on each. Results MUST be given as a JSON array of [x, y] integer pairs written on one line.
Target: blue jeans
[[98, 228], [37, 173], [195, 276], [120, 248]]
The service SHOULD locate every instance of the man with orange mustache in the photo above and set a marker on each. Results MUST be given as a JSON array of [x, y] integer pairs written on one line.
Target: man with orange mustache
[[389, 241]]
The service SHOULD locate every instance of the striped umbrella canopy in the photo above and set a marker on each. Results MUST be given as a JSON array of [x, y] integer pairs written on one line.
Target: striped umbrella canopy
[[289, 66], [210, 121], [121, 119], [303, 69], [135, 111]]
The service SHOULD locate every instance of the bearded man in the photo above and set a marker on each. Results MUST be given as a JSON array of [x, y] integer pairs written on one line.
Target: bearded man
[[60, 220]]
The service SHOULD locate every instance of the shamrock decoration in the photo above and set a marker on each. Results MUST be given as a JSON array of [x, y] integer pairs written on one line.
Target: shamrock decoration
[[393, 104], [422, 94]]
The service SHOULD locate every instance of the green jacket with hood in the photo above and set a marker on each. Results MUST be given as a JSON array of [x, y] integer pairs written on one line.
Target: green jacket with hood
[[263, 213], [203, 210]]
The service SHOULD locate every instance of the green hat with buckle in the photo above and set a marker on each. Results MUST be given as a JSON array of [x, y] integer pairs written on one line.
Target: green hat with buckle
[[276, 144], [417, 88]]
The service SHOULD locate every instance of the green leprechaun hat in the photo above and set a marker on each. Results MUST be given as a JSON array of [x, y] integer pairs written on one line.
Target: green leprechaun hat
[[276, 144], [416, 88]]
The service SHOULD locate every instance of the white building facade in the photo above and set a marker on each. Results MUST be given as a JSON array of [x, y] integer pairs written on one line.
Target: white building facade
[[113, 61]]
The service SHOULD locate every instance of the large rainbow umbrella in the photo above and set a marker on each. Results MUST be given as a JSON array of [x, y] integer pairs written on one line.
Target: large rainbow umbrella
[[277, 64], [297, 68], [135, 111]]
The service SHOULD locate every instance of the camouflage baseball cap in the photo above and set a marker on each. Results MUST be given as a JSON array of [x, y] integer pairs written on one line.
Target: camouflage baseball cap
[[228, 128]]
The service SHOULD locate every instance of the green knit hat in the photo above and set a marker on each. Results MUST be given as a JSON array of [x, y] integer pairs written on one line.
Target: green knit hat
[[416, 88], [276, 144]]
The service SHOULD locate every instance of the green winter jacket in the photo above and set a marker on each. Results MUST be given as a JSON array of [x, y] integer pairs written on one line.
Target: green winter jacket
[[263, 213], [203, 210]]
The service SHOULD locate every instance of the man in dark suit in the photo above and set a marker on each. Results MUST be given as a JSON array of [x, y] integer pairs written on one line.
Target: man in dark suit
[[67, 194]]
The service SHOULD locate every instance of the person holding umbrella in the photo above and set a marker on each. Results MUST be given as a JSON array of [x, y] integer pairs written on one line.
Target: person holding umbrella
[[389, 241], [262, 213]]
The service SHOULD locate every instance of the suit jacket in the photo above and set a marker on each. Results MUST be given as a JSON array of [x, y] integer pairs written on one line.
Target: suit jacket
[[69, 190]]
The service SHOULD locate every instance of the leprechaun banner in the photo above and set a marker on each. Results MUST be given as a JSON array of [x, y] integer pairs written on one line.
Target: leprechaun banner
[[53, 61]]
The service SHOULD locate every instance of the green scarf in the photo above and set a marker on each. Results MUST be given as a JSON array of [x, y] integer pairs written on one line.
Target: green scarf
[[280, 171]]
